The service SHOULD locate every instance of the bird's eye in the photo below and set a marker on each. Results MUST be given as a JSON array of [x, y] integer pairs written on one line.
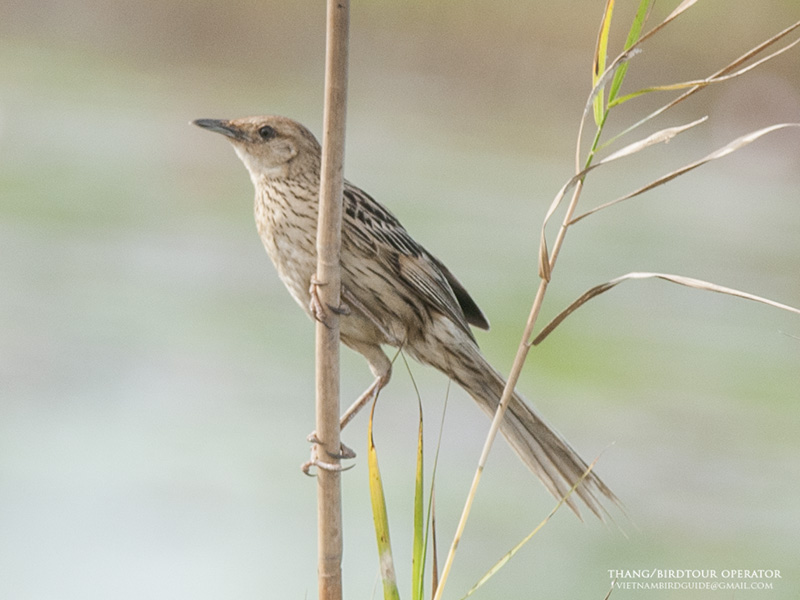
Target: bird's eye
[[266, 132]]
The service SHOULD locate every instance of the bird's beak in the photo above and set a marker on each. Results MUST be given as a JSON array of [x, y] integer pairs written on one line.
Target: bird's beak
[[226, 128]]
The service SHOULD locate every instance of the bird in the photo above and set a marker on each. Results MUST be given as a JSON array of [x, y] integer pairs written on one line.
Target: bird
[[394, 293]]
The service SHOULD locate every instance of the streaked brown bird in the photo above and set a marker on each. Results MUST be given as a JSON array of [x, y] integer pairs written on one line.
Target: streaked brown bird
[[394, 291]]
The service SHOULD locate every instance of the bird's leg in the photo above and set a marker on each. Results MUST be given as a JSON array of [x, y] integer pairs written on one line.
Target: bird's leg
[[369, 394], [315, 461], [382, 369], [344, 453]]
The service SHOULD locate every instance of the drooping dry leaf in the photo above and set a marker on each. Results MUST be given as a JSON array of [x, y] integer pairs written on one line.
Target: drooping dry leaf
[[679, 10], [696, 84], [659, 137], [662, 136], [679, 279], [714, 78], [729, 148]]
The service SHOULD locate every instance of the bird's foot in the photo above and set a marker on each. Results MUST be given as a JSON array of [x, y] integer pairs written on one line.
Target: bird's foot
[[315, 461], [343, 454], [342, 310], [316, 307]]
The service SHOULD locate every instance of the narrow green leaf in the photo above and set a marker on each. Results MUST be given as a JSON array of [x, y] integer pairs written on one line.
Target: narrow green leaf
[[599, 63], [381, 519], [633, 37], [601, 51], [670, 87], [430, 525], [435, 561], [419, 546], [510, 554], [420, 543]]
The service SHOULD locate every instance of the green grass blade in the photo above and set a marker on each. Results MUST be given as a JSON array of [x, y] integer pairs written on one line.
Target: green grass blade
[[419, 546], [430, 525], [435, 561], [381, 519], [420, 543], [670, 87], [599, 63], [633, 37], [510, 554], [600, 53]]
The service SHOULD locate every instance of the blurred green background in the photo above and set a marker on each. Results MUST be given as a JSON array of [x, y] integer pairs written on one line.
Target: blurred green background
[[156, 380]]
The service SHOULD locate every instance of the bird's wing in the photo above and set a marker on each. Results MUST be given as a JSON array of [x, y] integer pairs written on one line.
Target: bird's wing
[[377, 231], [472, 311]]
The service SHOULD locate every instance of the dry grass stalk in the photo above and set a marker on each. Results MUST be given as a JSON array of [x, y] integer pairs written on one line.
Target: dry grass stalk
[[329, 497], [547, 258]]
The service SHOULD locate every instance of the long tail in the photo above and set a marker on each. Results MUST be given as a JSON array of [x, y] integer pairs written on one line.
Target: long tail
[[542, 449]]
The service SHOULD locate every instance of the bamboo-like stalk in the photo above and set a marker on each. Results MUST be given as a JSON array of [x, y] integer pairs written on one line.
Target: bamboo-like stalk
[[547, 259], [329, 499], [516, 370]]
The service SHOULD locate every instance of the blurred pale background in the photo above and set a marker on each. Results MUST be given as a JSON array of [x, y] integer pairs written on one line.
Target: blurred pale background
[[156, 379]]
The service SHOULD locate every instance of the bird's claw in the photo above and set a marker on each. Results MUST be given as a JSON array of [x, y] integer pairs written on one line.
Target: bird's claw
[[344, 451], [315, 461], [342, 310], [315, 304], [332, 467]]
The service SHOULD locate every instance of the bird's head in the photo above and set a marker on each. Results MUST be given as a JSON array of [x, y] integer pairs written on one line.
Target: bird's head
[[270, 147]]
